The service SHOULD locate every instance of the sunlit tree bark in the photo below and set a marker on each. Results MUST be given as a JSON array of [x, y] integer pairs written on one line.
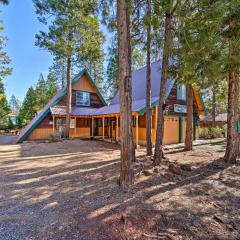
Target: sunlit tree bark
[[125, 85]]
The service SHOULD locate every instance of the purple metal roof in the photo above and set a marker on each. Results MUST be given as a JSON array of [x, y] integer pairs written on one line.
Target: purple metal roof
[[139, 83], [138, 97], [138, 94], [76, 111], [115, 108], [111, 109]]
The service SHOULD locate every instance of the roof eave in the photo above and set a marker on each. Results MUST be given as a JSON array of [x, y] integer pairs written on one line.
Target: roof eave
[[41, 118], [156, 102]]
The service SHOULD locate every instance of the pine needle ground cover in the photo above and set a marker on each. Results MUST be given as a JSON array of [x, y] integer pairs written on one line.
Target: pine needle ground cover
[[69, 190]]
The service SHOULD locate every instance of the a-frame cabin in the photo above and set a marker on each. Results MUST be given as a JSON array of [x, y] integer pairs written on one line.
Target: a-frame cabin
[[92, 118]]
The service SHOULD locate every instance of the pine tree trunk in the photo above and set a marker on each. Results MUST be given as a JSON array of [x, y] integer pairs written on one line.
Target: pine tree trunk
[[214, 107], [233, 139], [164, 76], [156, 52], [69, 97], [189, 127], [148, 84], [63, 74], [125, 85]]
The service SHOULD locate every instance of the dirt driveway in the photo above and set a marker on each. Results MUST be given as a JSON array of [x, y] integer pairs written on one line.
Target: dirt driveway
[[69, 190], [8, 139]]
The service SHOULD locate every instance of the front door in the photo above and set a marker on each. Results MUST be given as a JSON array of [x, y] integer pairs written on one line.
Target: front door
[[113, 129], [96, 126]]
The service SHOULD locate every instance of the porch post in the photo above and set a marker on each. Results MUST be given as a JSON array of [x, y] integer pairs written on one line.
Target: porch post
[[92, 127], [155, 120], [75, 126], [53, 124], [155, 123], [109, 127], [137, 146], [103, 127], [117, 128]]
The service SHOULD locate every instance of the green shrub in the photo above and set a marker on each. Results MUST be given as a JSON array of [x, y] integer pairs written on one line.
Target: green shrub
[[54, 137], [211, 132]]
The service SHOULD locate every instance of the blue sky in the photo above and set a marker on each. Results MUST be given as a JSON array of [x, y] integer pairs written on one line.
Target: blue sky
[[28, 60]]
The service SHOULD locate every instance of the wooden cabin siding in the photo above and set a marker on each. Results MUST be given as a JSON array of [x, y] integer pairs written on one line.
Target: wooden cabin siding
[[45, 123], [95, 101], [40, 134], [42, 130], [142, 120], [84, 84], [172, 99], [80, 133], [83, 123], [171, 131]]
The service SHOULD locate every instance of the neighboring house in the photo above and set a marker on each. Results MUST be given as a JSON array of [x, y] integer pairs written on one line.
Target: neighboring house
[[90, 114], [220, 120]]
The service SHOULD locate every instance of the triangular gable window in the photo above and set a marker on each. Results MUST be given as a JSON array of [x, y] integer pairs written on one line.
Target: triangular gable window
[[82, 98], [181, 92]]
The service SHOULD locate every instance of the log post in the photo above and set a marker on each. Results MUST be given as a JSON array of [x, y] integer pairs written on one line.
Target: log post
[[75, 126], [109, 128], [137, 146], [53, 124], [103, 127], [155, 118], [92, 127], [117, 128], [155, 122]]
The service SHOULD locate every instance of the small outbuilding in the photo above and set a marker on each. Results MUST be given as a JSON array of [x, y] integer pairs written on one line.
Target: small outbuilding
[[206, 121]]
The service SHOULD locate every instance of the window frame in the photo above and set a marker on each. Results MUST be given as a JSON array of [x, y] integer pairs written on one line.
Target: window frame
[[81, 104], [60, 121], [180, 92], [72, 123]]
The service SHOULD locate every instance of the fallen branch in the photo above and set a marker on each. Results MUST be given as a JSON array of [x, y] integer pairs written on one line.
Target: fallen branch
[[159, 236], [153, 236]]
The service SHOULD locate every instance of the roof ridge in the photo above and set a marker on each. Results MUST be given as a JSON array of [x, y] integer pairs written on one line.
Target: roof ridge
[[146, 66]]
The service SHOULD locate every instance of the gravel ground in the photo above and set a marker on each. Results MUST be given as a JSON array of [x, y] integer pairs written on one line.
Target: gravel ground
[[8, 139], [69, 190]]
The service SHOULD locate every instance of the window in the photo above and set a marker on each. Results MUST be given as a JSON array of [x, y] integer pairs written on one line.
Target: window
[[105, 122], [82, 122], [72, 123], [82, 98], [60, 122], [99, 122], [181, 92]]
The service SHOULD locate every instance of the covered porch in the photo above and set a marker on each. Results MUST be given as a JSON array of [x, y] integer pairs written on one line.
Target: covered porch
[[104, 127]]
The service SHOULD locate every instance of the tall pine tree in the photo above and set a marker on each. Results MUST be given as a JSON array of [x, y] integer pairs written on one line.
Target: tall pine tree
[[5, 70], [73, 34], [125, 83], [14, 104], [28, 108], [209, 36], [169, 10]]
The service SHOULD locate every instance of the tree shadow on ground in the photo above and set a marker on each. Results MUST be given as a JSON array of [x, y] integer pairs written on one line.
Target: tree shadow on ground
[[77, 196]]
